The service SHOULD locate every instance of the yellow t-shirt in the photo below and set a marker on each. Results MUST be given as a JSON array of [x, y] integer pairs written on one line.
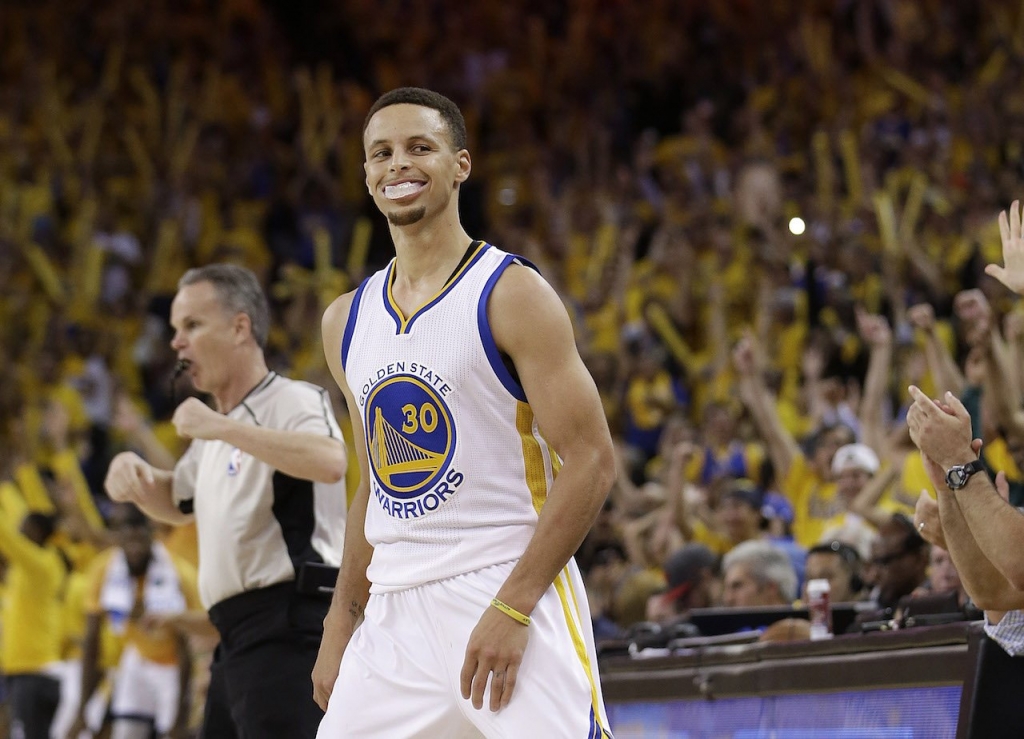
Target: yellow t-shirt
[[158, 645], [31, 611], [814, 500], [711, 539]]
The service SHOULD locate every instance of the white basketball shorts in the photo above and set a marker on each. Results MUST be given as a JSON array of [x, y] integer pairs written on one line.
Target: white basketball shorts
[[400, 676]]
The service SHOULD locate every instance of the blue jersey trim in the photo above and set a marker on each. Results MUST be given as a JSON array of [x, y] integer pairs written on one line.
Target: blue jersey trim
[[350, 324], [487, 338]]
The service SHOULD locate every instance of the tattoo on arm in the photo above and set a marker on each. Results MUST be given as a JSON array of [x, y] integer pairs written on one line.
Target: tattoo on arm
[[355, 610]]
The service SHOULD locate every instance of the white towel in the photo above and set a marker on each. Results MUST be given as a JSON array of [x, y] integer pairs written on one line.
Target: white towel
[[161, 593]]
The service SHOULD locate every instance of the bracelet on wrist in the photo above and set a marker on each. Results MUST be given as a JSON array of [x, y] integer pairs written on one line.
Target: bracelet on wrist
[[511, 612]]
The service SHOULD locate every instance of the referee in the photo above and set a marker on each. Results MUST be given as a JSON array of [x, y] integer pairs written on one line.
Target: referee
[[263, 478]]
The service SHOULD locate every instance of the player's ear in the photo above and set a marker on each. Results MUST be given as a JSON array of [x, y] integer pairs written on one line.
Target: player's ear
[[464, 164]]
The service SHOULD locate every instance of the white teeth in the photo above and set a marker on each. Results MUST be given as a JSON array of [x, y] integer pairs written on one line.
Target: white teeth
[[394, 192]]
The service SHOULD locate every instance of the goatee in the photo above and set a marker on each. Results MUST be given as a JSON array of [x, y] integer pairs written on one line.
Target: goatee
[[407, 217]]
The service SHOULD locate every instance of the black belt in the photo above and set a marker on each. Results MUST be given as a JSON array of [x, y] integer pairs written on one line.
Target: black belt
[[316, 578]]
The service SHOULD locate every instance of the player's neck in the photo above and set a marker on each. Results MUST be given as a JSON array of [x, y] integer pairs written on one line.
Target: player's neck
[[428, 250]]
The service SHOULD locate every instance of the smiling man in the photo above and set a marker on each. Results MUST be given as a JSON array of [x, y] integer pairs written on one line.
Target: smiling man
[[468, 397], [263, 478]]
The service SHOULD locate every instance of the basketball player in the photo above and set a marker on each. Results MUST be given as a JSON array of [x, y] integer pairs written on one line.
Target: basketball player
[[263, 478], [468, 396]]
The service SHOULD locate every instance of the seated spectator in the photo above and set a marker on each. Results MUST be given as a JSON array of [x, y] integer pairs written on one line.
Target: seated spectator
[[757, 573], [840, 564], [900, 560], [691, 581]]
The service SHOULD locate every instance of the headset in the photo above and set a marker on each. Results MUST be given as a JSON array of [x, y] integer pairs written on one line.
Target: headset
[[849, 555]]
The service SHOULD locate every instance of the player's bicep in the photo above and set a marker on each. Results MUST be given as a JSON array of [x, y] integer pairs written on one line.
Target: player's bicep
[[531, 325], [333, 329]]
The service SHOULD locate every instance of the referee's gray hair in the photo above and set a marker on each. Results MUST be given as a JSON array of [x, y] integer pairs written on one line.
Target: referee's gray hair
[[238, 291], [765, 563]]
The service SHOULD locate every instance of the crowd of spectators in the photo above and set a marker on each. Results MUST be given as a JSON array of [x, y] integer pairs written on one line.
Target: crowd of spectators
[[767, 220]]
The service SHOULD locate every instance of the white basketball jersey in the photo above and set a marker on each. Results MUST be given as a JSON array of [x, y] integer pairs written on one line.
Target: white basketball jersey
[[458, 469]]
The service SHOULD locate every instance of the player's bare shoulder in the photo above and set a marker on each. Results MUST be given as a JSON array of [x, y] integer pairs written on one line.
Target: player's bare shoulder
[[332, 327], [523, 307]]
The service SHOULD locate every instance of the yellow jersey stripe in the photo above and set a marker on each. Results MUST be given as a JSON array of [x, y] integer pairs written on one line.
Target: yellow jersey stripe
[[563, 586], [533, 456], [536, 481]]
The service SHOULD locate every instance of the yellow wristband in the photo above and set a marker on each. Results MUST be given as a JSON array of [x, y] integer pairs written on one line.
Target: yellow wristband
[[511, 612]]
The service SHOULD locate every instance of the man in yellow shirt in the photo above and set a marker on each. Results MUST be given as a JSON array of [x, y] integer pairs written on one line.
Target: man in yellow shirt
[[148, 598], [30, 615]]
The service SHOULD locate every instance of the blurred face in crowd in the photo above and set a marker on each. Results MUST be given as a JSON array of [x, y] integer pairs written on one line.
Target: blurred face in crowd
[[719, 425], [739, 519], [851, 480], [133, 533], [411, 169], [942, 571], [205, 335], [830, 566], [828, 442], [742, 589], [899, 567]]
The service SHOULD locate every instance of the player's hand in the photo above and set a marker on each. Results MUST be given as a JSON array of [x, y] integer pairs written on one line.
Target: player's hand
[[328, 662], [1012, 273], [495, 651], [195, 420], [129, 478]]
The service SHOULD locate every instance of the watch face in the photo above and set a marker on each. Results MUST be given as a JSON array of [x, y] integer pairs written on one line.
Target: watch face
[[956, 477]]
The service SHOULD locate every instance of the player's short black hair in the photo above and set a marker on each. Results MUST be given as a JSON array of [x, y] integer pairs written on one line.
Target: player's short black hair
[[449, 111]]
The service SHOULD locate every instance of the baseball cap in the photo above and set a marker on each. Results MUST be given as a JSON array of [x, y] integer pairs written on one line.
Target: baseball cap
[[777, 506], [859, 456], [683, 569]]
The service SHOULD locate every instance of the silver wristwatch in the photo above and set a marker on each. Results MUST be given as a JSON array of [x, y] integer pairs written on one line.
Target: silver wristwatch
[[958, 475]]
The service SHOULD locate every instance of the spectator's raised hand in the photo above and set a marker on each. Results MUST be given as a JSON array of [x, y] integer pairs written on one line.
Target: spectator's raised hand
[[874, 329], [1011, 273], [127, 417], [744, 357], [56, 424]]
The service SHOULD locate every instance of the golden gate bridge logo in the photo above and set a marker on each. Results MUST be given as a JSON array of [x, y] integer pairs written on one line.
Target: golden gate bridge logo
[[410, 435]]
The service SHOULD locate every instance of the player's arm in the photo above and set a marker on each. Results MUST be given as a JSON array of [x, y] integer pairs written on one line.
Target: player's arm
[[300, 454], [531, 326], [352, 590]]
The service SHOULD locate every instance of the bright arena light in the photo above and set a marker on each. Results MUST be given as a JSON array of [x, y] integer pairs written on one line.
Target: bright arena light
[[796, 226]]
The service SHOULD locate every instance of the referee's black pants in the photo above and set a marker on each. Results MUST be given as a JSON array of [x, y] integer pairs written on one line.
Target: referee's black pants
[[260, 685]]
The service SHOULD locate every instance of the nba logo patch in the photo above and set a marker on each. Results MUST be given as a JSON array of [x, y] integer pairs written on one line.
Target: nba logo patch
[[235, 463]]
